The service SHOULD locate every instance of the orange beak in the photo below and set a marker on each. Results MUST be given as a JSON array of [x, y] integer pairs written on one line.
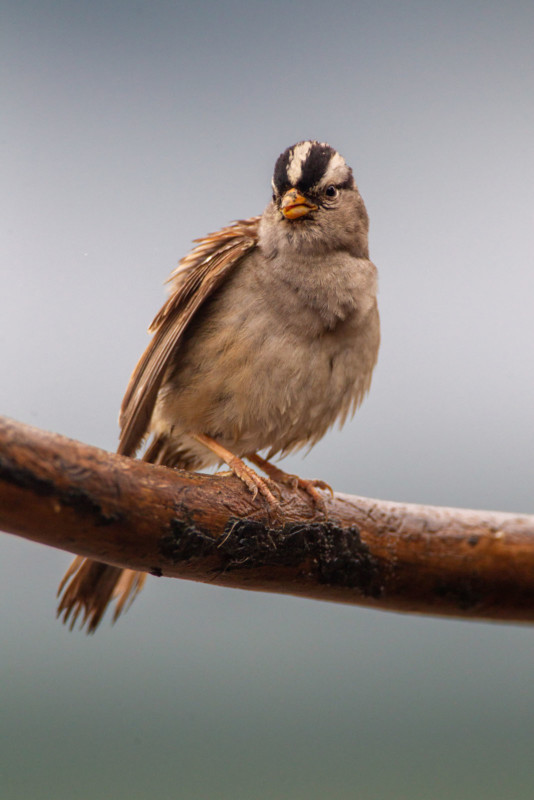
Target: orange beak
[[294, 205]]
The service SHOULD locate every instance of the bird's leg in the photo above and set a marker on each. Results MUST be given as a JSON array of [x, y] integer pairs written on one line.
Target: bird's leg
[[279, 476], [251, 479]]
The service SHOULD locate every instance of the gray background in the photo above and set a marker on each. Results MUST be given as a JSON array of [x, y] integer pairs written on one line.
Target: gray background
[[128, 128]]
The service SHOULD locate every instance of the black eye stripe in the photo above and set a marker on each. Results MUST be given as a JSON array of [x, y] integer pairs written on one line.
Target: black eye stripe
[[347, 184]]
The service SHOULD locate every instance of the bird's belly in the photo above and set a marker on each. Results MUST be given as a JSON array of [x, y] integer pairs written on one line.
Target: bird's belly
[[266, 386], [296, 391]]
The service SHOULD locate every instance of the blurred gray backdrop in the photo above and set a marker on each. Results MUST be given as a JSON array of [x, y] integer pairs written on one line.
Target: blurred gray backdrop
[[129, 128]]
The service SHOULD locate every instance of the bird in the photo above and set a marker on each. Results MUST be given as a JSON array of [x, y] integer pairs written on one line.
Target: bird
[[269, 335]]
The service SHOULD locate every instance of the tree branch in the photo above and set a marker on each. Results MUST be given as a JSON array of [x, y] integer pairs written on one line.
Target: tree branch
[[393, 556]]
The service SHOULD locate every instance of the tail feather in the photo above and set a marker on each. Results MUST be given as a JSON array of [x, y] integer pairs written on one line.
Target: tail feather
[[128, 586], [88, 587]]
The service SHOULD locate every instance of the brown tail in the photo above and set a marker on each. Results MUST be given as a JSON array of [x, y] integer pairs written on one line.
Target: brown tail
[[88, 587]]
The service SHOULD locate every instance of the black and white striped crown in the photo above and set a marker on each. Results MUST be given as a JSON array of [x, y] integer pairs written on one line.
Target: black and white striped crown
[[309, 167]]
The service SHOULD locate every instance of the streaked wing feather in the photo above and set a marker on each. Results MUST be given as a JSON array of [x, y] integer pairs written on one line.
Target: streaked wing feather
[[197, 276]]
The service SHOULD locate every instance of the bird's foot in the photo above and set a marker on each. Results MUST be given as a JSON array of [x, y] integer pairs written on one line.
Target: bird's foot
[[294, 481], [254, 482]]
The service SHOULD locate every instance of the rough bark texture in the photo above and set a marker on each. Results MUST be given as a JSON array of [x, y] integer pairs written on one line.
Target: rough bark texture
[[393, 556]]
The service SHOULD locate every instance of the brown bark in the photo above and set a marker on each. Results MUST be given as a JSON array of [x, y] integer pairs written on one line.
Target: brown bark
[[393, 556]]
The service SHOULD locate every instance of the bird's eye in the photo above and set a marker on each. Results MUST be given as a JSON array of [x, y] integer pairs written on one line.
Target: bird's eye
[[330, 191], [274, 198]]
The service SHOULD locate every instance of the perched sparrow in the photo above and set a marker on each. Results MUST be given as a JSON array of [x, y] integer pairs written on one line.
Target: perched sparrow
[[270, 334]]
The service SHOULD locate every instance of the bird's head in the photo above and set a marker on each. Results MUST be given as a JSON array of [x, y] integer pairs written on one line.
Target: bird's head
[[315, 202]]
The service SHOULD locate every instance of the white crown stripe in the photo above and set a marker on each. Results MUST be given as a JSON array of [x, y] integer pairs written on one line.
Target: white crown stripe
[[336, 172], [298, 157]]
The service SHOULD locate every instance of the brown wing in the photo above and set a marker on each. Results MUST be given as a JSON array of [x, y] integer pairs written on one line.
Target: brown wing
[[198, 274]]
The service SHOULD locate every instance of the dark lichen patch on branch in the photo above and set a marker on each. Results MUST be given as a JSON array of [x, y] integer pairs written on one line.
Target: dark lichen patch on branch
[[78, 499], [335, 556], [25, 478], [184, 540], [85, 505]]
